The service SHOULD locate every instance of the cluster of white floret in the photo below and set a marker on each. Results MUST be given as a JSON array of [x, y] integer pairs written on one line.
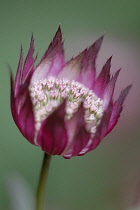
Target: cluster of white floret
[[48, 94]]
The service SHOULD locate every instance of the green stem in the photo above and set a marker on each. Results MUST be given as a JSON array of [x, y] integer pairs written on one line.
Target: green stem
[[42, 182]]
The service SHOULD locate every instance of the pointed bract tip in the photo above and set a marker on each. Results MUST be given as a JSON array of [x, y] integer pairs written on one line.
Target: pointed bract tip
[[118, 71], [100, 40], [78, 58], [61, 109], [102, 37], [97, 43], [21, 49], [127, 89], [81, 110], [58, 33], [110, 58], [115, 76], [57, 37], [59, 28], [32, 38], [95, 47], [108, 62], [124, 93]]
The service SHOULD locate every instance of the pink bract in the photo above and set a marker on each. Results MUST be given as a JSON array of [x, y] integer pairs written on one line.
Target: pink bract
[[63, 107]]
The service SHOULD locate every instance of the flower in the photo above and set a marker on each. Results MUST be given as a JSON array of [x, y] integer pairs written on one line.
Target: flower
[[63, 107]]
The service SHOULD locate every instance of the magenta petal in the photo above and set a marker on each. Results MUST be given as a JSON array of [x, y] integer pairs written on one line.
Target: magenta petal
[[88, 70], [96, 47], [72, 68], [29, 61], [52, 136], [55, 46], [26, 122], [18, 74], [77, 134], [56, 51], [102, 129], [92, 52], [108, 94], [53, 59], [103, 79], [117, 108], [12, 99]]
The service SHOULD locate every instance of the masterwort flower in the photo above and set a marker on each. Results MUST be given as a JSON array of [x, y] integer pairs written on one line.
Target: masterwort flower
[[63, 107]]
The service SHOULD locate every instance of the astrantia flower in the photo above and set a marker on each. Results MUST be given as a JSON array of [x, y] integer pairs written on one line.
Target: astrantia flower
[[63, 107]]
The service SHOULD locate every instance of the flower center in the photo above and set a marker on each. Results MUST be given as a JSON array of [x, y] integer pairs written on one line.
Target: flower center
[[48, 94]]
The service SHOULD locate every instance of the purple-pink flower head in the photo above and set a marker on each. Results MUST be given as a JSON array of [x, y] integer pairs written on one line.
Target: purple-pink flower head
[[63, 107]]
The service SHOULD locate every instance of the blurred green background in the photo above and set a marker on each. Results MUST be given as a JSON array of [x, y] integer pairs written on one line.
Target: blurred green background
[[106, 178]]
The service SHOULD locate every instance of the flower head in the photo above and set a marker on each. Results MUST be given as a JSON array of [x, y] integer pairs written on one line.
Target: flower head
[[63, 107]]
